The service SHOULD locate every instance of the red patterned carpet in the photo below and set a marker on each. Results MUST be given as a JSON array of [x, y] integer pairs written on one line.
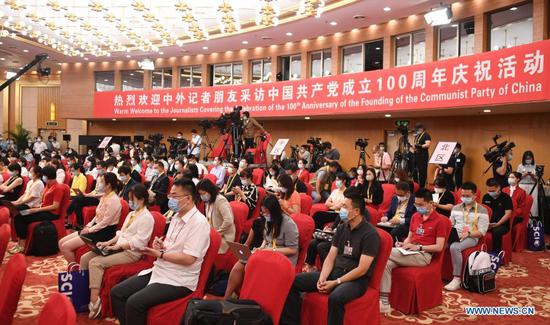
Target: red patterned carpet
[[525, 282]]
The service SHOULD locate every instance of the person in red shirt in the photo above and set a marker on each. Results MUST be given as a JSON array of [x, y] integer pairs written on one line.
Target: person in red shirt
[[50, 209], [518, 195], [427, 233]]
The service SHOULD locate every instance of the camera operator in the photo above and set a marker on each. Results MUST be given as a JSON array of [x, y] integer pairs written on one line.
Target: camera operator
[[331, 155], [324, 178], [422, 142], [382, 162], [195, 145], [460, 160], [249, 130], [528, 181], [502, 168]]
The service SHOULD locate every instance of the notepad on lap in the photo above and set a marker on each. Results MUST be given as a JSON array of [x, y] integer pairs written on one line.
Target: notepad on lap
[[406, 252]]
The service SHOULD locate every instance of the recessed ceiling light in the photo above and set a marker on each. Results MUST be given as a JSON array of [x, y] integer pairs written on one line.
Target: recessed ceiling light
[[86, 59], [174, 119], [288, 34], [114, 120], [486, 111], [386, 9], [377, 48], [387, 115], [105, 80], [161, 53], [205, 47], [26, 51], [245, 42], [1, 43], [514, 8], [333, 23], [307, 118], [128, 56], [2, 59]]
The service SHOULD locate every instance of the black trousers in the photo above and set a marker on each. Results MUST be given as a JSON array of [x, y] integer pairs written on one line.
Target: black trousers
[[323, 217], [315, 247], [132, 298], [401, 232], [421, 169], [249, 143], [498, 232], [337, 299], [21, 223], [77, 204]]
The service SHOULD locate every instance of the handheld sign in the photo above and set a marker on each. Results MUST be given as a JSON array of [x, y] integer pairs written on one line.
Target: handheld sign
[[279, 147], [442, 153], [105, 142]]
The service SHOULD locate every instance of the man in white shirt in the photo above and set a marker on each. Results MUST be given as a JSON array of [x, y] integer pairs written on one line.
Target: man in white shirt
[[219, 171], [382, 162], [195, 145], [39, 146], [175, 273]]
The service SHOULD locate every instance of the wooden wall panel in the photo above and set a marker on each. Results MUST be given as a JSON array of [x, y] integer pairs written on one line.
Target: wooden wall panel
[[529, 131], [47, 96]]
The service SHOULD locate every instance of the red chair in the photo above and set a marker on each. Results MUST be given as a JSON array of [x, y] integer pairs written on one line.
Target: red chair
[[5, 176], [89, 183], [316, 208], [10, 287], [24, 187], [256, 211], [226, 260], [257, 176], [306, 202], [389, 192], [58, 310], [5, 233], [211, 177], [117, 273], [171, 312], [415, 289], [170, 184], [4, 215], [363, 310], [306, 226], [309, 188], [375, 216], [59, 223], [519, 231], [269, 292]]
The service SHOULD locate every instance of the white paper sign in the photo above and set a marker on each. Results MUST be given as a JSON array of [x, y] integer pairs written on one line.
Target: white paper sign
[[105, 142], [442, 153], [279, 147]]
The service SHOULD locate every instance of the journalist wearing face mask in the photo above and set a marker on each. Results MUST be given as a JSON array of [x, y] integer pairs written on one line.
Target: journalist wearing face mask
[[124, 175], [528, 180], [501, 205], [518, 195], [219, 214], [347, 268], [247, 192], [11, 187], [502, 168], [231, 181], [271, 179], [79, 181], [218, 170], [334, 202], [289, 199], [279, 235], [401, 211], [372, 189], [443, 199], [125, 246], [179, 257]]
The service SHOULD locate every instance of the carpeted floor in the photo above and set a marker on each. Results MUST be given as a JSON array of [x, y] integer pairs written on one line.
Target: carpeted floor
[[524, 282]]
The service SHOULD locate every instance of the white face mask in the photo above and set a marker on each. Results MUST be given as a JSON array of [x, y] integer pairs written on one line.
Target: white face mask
[[438, 190], [512, 181], [369, 178], [242, 164]]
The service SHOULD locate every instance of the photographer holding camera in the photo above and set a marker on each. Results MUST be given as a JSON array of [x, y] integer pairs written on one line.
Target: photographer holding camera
[[422, 142], [249, 130], [331, 155]]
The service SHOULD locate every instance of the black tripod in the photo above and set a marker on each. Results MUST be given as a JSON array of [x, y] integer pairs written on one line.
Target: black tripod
[[362, 157], [236, 133], [541, 202], [205, 144]]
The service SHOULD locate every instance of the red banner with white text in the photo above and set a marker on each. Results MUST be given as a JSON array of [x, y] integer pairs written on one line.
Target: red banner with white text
[[512, 75]]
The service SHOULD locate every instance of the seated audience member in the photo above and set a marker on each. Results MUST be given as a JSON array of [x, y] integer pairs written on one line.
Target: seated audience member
[[179, 258], [470, 222], [303, 173], [79, 182], [292, 170], [372, 189], [33, 193], [150, 171], [232, 180], [219, 171], [158, 190], [401, 210], [192, 172], [218, 212], [202, 170], [347, 269], [59, 170], [127, 181], [518, 195], [171, 168], [247, 192], [280, 235], [502, 207], [11, 188], [402, 175], [4, 163], [271, 183], [289, 199], [243, 164], [443, 199], [112, 164], [130, 240], [324, 178], [322, 247], [334, 202], [352, 175], [23, 164], [359, 181], [102, 227], [88, 199], [49, 208], [426, 235], [135, 164]]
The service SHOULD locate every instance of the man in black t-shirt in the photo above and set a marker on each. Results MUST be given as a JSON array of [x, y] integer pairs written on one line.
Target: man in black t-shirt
[[502, 168], [460, 160], [422, 142], [502, 206], [346, 270]]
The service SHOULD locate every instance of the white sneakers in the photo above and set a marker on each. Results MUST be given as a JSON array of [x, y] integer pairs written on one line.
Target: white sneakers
[[453, 285]]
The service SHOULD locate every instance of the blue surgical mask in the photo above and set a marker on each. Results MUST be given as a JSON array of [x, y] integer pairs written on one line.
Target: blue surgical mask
[[205, 197], [422, 210], [343, 214], [44, 179], [267, 217], [467, 200], [401, 198], [339, 183], [494, 195], [528, 161], [173, 205], [133, 206]]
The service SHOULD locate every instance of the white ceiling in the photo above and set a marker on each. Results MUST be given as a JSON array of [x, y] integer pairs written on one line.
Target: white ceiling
[[13, 49]]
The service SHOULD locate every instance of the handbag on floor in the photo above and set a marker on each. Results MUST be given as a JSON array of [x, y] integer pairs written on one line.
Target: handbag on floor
[[535, 235], [75, 285], [224, 312], [478, 275]]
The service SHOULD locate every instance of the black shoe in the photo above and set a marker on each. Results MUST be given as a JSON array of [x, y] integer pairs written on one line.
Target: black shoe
[[68, 226]]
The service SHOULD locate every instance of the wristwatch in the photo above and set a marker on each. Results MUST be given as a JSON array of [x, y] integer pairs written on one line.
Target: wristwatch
[[161, 254], [419, 248]]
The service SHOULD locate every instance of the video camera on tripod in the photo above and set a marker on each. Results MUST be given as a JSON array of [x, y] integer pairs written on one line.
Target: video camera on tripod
[[498, 149], [361, 144], [316, 143], [178, 146]]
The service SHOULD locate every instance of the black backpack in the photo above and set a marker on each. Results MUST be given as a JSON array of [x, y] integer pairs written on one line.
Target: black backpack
[[224, 312], [478, 275], [44, 241]]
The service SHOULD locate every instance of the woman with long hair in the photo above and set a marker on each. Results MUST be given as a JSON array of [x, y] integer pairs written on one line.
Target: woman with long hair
[[528, 181], [289, 199]]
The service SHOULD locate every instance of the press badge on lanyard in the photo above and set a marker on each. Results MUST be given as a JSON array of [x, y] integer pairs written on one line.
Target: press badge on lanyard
[[348, 250], [420, 230]]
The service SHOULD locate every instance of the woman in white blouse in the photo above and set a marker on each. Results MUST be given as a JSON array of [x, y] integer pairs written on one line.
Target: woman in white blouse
[[33, 193], [129, 241]]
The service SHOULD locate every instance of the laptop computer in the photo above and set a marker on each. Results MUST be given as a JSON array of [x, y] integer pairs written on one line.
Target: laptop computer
[[241, 252], [95, 249]]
